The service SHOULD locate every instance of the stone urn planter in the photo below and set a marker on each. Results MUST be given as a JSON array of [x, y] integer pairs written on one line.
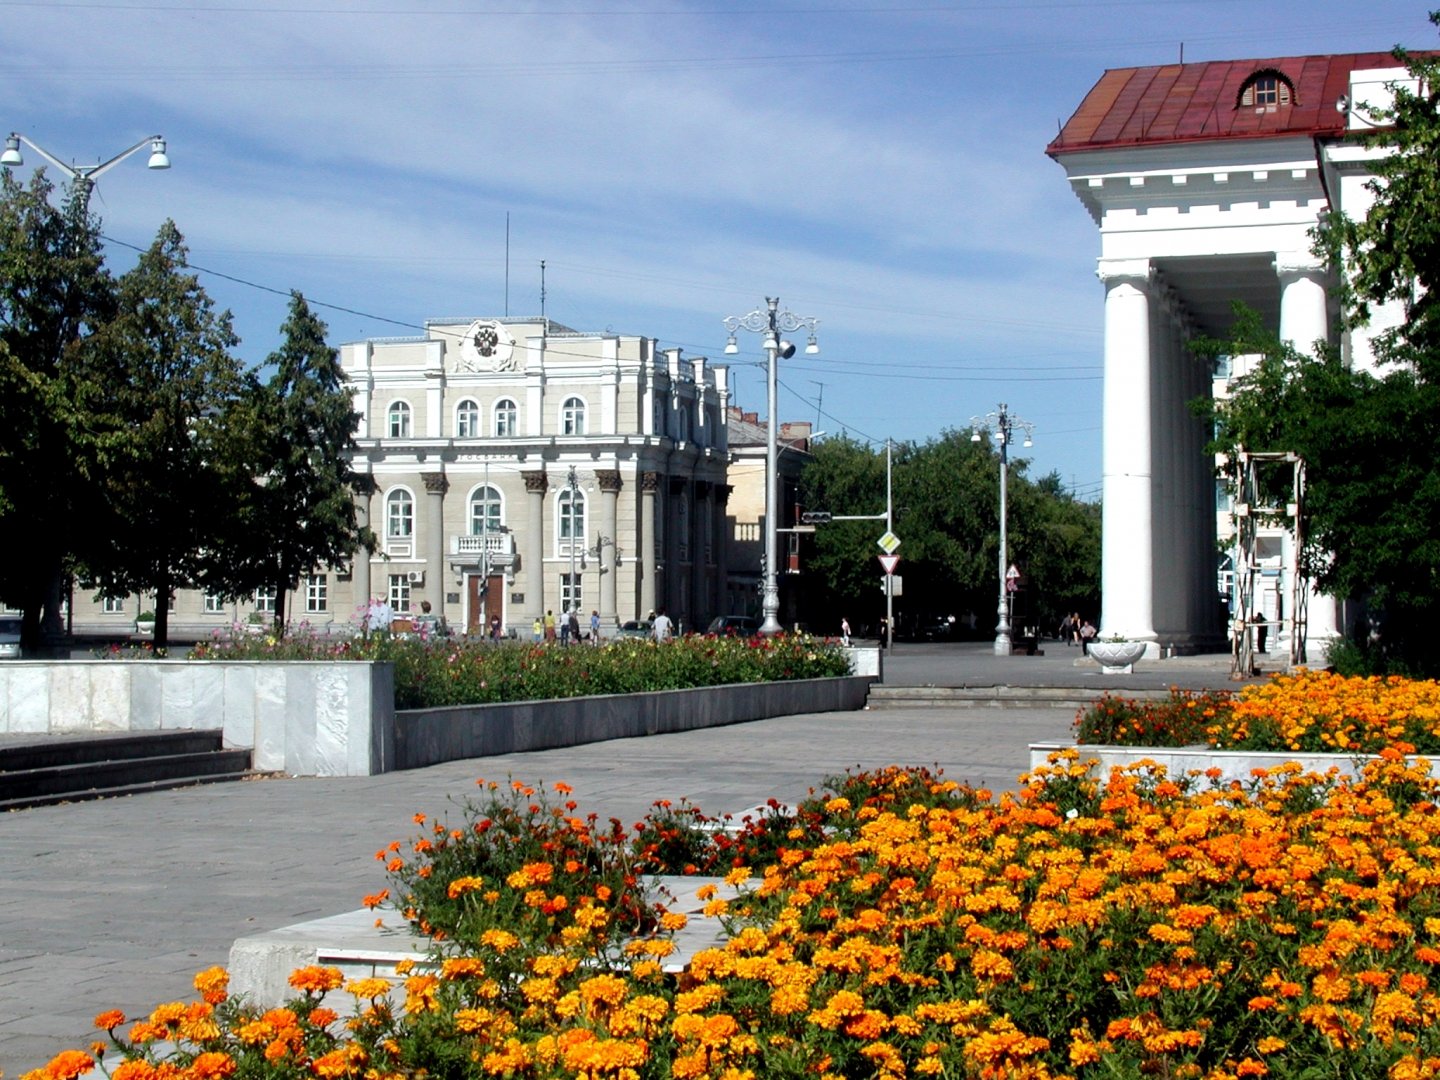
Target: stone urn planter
[[145, 625], [1117, 657]]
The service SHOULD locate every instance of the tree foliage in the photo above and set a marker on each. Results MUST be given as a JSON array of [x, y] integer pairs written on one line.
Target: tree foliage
[[946, 495], [165, 387], [298, 511], [54, 293]]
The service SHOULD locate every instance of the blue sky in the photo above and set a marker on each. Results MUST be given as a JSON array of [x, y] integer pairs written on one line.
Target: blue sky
[[880, 167]]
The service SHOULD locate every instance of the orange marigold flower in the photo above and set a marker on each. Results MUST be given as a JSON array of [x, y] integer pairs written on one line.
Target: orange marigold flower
[[1251, 1067], [1270, 1045], [213, 1065], [109, 1020], [213, 984], [374, 900], [65, 1065], [316, 979]]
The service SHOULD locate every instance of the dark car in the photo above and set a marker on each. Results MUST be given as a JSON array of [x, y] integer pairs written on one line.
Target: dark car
[[737, 625]]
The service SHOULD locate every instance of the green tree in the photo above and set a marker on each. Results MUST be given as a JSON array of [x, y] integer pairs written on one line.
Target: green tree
[[54, 293], [157, 430], [299, 512]]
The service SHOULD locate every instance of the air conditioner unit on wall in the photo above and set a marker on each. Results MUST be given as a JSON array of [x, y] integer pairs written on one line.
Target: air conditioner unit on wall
[[417, 577]]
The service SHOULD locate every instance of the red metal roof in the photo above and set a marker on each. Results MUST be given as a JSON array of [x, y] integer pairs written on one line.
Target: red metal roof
[[1197, 102]]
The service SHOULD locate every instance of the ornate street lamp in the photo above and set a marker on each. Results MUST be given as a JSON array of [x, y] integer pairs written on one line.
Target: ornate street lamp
[[85, 176], [1002, 424], [771, 322]]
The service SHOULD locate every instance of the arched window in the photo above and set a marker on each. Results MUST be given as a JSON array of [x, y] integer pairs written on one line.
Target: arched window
[[505, 417], [1266, 90], [570, 528], [400, 420], [399, 514], [467, 420], [486, 511], [572, 417]]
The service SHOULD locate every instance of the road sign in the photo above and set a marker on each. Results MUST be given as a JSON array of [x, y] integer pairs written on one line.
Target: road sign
[[889, 562], [889, 542]]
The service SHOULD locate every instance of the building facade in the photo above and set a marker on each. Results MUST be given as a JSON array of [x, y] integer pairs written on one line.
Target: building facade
[[1205, 181], [513, 467]]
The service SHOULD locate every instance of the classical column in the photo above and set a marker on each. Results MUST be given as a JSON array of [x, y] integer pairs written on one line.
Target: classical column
[[649, 485], [677, 581], [609, 481], [1127, 552], [1304, 320], [435, 488], [360, 562], [535, 487], [699, 542]]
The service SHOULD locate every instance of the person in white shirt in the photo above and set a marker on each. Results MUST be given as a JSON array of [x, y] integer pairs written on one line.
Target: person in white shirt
[[662, 627]]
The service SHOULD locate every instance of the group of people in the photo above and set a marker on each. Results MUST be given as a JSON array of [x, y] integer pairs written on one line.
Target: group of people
[[1077, 631], [565, 629]]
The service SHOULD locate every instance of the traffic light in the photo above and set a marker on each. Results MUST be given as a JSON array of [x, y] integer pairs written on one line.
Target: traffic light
[[815, 517]]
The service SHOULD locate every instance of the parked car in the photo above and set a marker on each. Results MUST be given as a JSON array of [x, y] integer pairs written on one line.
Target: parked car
[[635, 628], [9, 637], [738, 625]]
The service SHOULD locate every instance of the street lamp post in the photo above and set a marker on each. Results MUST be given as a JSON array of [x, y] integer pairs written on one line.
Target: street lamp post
[[85, 176], [1002, 425], [771, 322]]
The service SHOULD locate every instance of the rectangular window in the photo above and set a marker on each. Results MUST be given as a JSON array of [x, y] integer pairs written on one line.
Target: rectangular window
[[113, 605], [570, 592], [265, 601], [400, 593], [317, 594], [214, 605]]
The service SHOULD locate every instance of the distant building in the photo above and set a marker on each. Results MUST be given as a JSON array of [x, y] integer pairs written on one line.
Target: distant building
[[467, 441], [1205, 180]]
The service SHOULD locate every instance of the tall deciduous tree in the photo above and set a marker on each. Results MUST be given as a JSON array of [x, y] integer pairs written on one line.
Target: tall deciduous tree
[[54, 292], [300, 510], [163, 391]]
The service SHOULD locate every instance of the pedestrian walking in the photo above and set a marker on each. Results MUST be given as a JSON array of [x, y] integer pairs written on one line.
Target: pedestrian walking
[[662, 628], [844, 631], [549, 627], [594, 627]]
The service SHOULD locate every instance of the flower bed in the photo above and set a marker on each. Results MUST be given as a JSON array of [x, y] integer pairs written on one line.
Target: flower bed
[[895, 924], [439, 671], [1309, 712]]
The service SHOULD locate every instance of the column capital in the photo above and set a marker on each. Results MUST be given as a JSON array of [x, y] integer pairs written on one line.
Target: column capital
[[1114, 271], [536, 483], [722, 493], [650, 482], [435, 483], [609, 480], [1290, 265], [702, 489]]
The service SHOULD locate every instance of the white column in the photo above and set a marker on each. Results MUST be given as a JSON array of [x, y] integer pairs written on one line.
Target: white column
[[1304, 320], [436, 485], [535, 487], [649, 485], [1127, 551], [609, 569], [360, 562]]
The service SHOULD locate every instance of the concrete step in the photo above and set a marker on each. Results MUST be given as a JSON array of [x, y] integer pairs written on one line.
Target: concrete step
[[65, 770], [1028, 697]]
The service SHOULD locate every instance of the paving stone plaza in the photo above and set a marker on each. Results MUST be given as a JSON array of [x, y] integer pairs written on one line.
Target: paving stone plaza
[[117, 903]]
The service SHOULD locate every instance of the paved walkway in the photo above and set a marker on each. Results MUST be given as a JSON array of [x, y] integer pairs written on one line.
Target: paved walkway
[[117, 903]]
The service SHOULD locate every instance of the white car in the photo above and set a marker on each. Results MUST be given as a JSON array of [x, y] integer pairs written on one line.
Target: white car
[[9, 637]]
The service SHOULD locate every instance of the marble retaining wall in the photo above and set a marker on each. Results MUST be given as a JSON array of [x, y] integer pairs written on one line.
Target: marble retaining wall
[[312, 718], [306, 718]]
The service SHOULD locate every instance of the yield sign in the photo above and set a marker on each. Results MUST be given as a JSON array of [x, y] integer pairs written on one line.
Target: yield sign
[[889, 562]]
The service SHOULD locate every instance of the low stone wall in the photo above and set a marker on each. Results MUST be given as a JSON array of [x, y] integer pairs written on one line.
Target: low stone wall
[[1229, 764], [328, 718], [430, 736], [306, 718]]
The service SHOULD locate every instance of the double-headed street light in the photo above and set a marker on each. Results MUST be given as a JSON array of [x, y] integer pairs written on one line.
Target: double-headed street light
[[1002, 424], [85, 176], [771, 322]]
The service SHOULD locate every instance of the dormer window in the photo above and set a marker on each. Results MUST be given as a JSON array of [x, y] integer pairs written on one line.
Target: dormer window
[[1265, 91]]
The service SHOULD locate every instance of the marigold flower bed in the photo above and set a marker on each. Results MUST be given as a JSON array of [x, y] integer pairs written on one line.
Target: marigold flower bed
[[1309, 712], [1144, 926]]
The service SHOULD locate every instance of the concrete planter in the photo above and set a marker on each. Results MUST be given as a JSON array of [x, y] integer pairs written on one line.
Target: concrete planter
[[1229, 764], [1117, 657]]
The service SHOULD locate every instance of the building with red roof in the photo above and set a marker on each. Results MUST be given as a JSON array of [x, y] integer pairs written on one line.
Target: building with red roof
[[1205, 181]]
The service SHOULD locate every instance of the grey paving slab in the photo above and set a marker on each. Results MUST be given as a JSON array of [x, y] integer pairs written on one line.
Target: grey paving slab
[[117, 903]]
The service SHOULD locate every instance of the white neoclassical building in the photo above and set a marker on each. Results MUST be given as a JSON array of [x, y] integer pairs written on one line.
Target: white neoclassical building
[[1205, 181], [511, 467]]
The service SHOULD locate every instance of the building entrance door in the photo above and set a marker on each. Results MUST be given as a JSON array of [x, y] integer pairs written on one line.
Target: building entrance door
[[486, 599]]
